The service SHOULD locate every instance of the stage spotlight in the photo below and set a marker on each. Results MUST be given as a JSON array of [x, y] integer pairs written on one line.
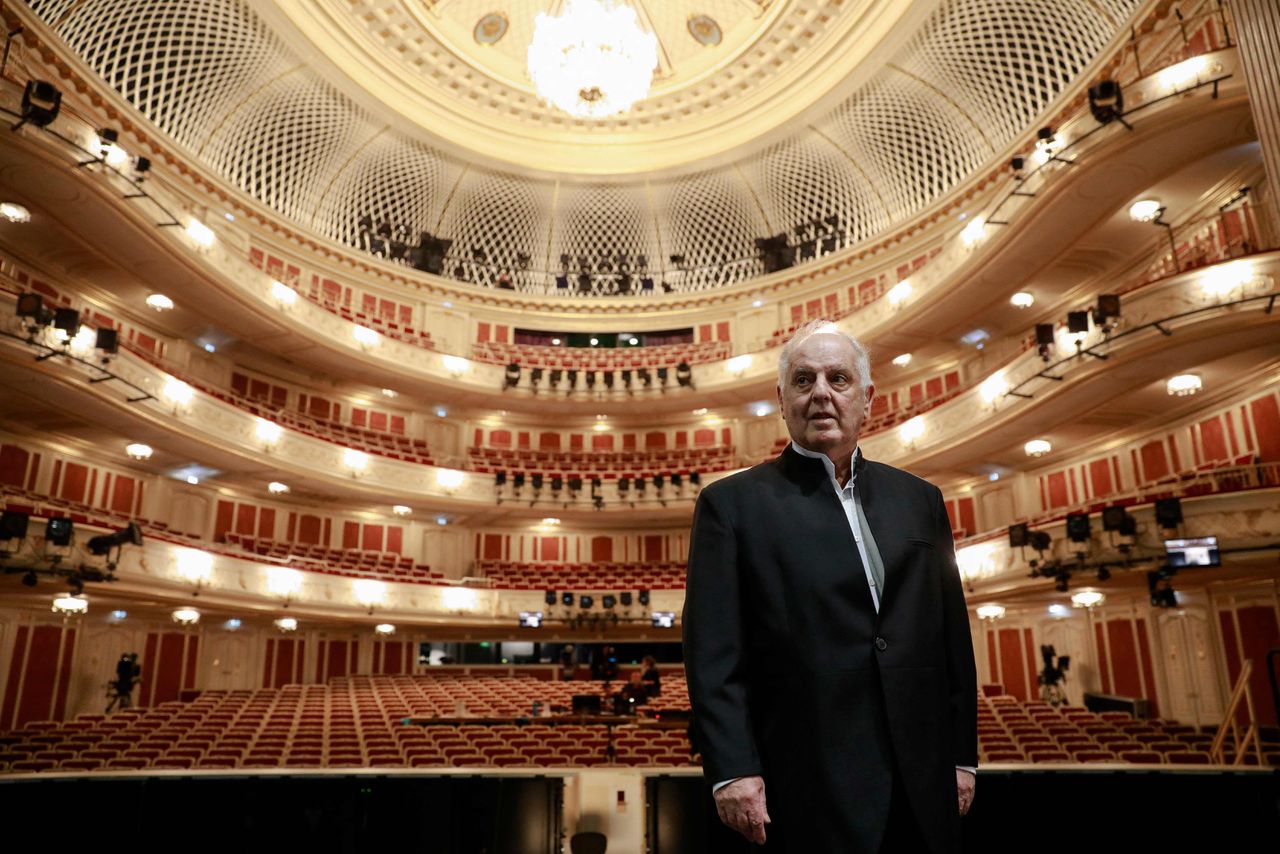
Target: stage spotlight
[[1108, 307], [624, 484], [676, 480], [658, 481], [512, 375], [1040, 540], [566, 598], [58, 532], [626, 377], [644, 597], [1104, 574], [1168, 512], [1044, 339], [68, 320], [537, 481], [684, 374], [608, 601], [557, 482], [107, 340], [575, 484], [608, 380], [30, 579], [585, 602], [1077, 322], [645, 377], [556, 375], [1078, 527], [104, 543], [591, 379], [1019, 535], [625, 598], [550, 598], [1106, 102], [41, 102], [518, 480], [535, 377], [13, 525], [499, 478], [32, 306], [662, 376], [695, 478], [1061, 582]]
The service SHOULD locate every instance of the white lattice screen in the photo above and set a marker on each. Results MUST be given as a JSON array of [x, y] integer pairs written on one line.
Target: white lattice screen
[[219, 82]]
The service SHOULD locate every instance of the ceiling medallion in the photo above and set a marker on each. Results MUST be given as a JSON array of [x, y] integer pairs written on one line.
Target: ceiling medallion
[[594, 60], [705, 30], [490, 29]]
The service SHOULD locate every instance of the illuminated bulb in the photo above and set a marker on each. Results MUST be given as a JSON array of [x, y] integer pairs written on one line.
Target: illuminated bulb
[[68, 605], [177, 392], [14, 212], [1056, 610], [911, 430], [899, 292], [738, 364], [1145, 210], [1022, 299], [138, 451], [555, 341], [195, 566], [756, 303], [762, 410], [595, 341], [355, 460], [384, 629], [364, 336], [1184, 385], [268, 431], [449, 479], [275, 487], [990, 611], [550, 520], [1037, 447], [902, 360], [186, 616], [193, 480], [282, 581], [390, 393], [84, 341], [369, 592], [160, 302], [456, 365], [993, 388], [702, 410], [974, 231], [1088, 598], [115, 156], [287, 624], [283, 294], [199, 232], [401, 510], [633, 341]]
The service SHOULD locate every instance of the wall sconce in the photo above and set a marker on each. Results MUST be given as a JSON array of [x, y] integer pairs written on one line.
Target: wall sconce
[[364, 336], [898, 294], [993, 388], [283, 294], [268, 432], [1088, 598], [356, 461], [178, 393], [738, 364], [283, 582], [186, 616], [911, 431], [990, 612], [384, 630], [70, 606], [286, 624], [196, 567], [456, 366], [449, 479], [369, 592]]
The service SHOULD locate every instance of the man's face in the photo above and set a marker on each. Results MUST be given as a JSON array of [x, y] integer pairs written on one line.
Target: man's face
[[822, 400]]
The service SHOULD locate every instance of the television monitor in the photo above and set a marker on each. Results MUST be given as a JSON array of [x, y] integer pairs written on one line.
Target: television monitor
[[530, 619], [1192, 552], [664, 619]]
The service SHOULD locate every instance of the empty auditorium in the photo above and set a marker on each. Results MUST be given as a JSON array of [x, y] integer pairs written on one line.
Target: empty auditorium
[[640, 426]]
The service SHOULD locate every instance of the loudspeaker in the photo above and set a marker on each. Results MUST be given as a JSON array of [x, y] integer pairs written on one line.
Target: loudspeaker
[[1168, 512], [1019, 535]]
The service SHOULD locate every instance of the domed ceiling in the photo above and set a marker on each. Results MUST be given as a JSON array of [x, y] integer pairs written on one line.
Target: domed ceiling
[[764, 115]]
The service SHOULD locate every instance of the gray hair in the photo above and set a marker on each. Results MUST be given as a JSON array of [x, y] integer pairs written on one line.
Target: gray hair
[[861, 361]]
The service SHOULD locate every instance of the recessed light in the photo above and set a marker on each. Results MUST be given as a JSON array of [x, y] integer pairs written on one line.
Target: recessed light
[[14, 212], [160, 302]]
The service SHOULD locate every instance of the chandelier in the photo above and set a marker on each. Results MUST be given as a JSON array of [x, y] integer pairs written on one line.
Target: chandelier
[[594, 60]]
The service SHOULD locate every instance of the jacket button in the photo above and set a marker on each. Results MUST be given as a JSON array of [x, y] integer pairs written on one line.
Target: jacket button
[[882, 644]]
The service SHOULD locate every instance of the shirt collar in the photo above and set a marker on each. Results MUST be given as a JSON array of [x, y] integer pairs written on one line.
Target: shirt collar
[[829, 465]]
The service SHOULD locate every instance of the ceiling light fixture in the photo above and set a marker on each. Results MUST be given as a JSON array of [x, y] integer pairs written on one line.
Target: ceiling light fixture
[[67, 605], [1145, 210], [593, 60], [138, 451], [902, 360], [1184, 385], [1037, 447], [186, 616], [14, 212], [160, 302], [275, 487], [1022, 299]]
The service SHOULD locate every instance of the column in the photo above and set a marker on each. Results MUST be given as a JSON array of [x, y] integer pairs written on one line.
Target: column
[[1257, 25]]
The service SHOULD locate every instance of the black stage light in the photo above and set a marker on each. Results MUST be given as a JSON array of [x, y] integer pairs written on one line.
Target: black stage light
[[585, 602], [644, 597], [1113, 517], [1108, 307], [518, 480], [1061, 582], [1104, 574], [1019, 535], [640, 484], [1168, 512], [596, 482], [625, 598], [575, 484], [141, 166], [535, 376], [68, 320], [675, 480], [499, 478], [1044, 334], [537, 481], [13, 525], [624, 484], [562, 282], [608, 601], [626, 377], [104, 543], [512, 375], [557, 482], [556, 375], [550, 598], [608, 379], [645, 377], [107, 340], [1077, 321], [572, 377], [591, 379], [566, 598], [1078, 527], [1106, 101], [1040, 540], [1017, 164], [30, 579], [41, 102], [684, 374], [658, 480], [58, 532], [662, 376], [695, 477], [32, 305]]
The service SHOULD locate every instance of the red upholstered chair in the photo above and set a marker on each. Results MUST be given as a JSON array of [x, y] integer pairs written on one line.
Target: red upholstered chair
[[1034, 755], [1095, 756], [1141, 757], [1188, 757]]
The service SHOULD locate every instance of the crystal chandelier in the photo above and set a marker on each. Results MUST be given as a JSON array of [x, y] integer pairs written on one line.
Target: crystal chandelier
[[594, 60]]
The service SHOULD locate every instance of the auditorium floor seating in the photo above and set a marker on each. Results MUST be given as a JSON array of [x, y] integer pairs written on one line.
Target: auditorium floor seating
[[594, 576], [351, 722]]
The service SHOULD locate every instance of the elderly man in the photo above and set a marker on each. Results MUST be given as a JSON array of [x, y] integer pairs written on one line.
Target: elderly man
[[826, 636]]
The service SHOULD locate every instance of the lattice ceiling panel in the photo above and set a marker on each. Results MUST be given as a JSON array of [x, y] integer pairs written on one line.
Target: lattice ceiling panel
[[286, 143], [185, 65], [390, 178], [219, 82], [603, 220], [522, 207]]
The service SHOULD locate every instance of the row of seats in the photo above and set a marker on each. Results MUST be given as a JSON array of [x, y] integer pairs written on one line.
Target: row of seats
[[583, 576], [597, 359], [601, 463], [390, 566]]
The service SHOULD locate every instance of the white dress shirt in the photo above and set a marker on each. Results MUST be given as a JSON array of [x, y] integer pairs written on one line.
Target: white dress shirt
[[852, 508]]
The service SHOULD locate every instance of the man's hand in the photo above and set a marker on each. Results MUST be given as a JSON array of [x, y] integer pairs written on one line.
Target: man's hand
[[741, 807], [965, 784]]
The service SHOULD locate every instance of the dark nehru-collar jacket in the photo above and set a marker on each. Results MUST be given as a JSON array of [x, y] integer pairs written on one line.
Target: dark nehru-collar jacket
[[793, 674]]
